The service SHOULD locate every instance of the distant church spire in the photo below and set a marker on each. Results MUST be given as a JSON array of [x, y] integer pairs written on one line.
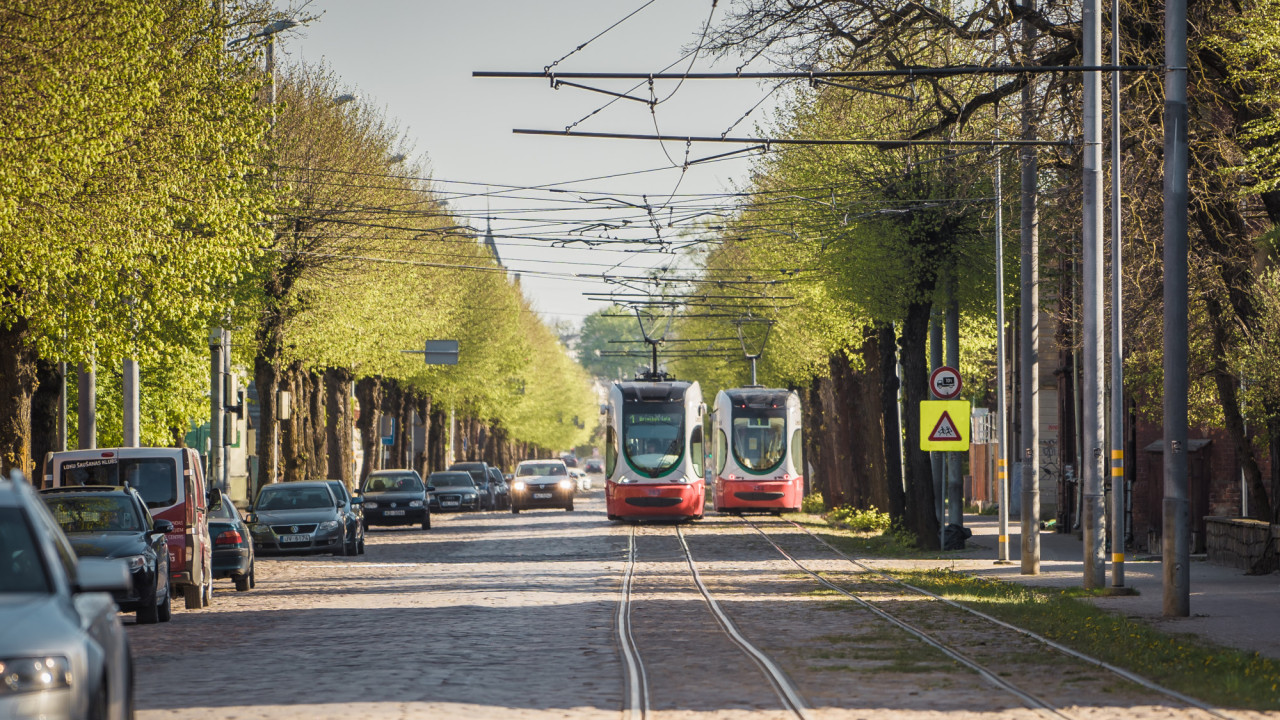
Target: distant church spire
[[489, 243]]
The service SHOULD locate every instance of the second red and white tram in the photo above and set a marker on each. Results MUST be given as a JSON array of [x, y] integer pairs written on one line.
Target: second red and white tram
[[654, 451], [756, 452]]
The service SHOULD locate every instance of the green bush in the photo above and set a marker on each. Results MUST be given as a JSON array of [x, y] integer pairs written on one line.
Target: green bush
[[869, 520], [812, 503]]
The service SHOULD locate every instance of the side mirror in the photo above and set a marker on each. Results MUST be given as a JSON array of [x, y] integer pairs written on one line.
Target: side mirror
[[251, 518], [102, 575], [215, 499], [431, 488], [162, 527], [357, 500]]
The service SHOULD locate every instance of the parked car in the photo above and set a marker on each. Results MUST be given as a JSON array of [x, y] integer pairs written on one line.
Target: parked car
[[595, 466], [452, 490], [581, 480], [570, 460], [502, 489], [171, 482], [354, 511], [480, 475], [542, 484], [395, 497], [64, 650], [232, 546], [298, 518], [110, 522]]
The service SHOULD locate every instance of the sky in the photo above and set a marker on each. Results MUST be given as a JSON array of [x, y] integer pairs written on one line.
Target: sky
[[414, 59]]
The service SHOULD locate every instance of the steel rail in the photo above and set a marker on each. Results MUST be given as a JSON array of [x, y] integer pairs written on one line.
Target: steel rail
[[1127, 675], [637, 697], [1031, 701], [785, 690]]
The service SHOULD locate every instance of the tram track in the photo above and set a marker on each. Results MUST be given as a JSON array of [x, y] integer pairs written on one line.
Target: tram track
[[638, 705], [1031, 700]]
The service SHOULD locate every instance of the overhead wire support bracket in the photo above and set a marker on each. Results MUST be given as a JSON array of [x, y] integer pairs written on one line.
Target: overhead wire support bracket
[[815, 82], [945, 71], [556, 83], [876, 143]]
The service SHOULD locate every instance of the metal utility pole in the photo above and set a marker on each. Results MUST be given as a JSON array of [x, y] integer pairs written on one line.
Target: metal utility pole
[[62, 406], [937, 461], [1117, 322], [1175, 546], [217, 403], [1093, 416], [955, 483], [87, 430], [129, 386], [1002, 476], [1028, 317]]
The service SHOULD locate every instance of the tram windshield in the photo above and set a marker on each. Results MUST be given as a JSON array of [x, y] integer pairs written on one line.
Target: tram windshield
[[653, 435], [759, 436]]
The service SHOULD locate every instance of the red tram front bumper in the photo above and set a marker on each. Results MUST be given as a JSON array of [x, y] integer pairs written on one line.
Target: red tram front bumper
[[758, 494], [655, 501]]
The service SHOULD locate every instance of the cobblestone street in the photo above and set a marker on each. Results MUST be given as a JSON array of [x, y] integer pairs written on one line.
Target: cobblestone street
[[494, 615]]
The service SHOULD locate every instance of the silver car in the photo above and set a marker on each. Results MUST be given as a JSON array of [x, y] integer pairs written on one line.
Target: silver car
[[63, 652]]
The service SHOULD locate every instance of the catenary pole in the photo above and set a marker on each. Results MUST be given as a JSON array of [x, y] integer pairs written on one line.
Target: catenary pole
[[1175, 547], [129, 406], [1002, 448], [1028, 317], [955, 483], [87, 428], [217, 383], [1093, 416], [937, 460], [1117, 322]]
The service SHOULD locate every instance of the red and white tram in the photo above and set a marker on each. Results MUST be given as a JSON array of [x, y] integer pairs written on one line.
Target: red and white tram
[[756, 453], [654, 451]]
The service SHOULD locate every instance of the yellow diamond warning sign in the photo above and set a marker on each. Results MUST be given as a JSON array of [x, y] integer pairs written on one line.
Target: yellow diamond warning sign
[[944, 424]]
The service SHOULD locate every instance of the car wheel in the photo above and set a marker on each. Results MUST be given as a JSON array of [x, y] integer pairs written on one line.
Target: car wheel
[[515, 510], [351, 549], [191, 596], [365, 524], [165, 609], [426, 522], [360, 546], [100, 703], [253, 577], [206, 594], [569, 507], [149, 614], [242, 582]]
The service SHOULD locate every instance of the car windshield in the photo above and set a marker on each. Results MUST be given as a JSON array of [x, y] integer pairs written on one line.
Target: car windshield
[[759, 436], [286, 498], [539, 469], [155, 479], [98, 513], [21, 567], [451, 479], [653, 435], [339, 490], [393, 483]]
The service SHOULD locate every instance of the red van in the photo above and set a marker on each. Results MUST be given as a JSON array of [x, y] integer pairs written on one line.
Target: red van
[[171, 482]]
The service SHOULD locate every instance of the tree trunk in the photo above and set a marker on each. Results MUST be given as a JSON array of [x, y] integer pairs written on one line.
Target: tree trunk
[[437, 438], [337, 397], [921, 519], [266, 379], [393, 406], [293, 432], [897, 500], [868, 422], [17, 385], [369, 395], [829, 431], [422, 461], [812, 435], [44, 412], [319, 437], [846, 480]]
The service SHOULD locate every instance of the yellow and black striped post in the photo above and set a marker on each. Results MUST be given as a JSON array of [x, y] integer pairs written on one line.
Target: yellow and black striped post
[[1117, 518]]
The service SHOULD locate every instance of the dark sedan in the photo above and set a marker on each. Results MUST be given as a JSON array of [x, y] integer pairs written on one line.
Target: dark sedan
[[353, 509], [299, 518], [113, 522], [395, 497], [232, 545], [499, 483], [454, 490], [479, 472]]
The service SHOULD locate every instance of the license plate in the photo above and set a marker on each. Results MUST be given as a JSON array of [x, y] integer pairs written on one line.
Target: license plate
[[449, 503], [295, 538], [394, 512], [542, 496]]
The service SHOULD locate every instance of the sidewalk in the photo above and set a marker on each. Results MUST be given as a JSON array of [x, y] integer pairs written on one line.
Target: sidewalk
[[1227, 606]]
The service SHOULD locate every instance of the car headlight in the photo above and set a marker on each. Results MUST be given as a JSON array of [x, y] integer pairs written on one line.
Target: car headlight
[[470, 496], [31, 674], [415, 503], [136, 562], [329, 525], [260, 530], [370, 505], [566, 484], [519, 486]]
